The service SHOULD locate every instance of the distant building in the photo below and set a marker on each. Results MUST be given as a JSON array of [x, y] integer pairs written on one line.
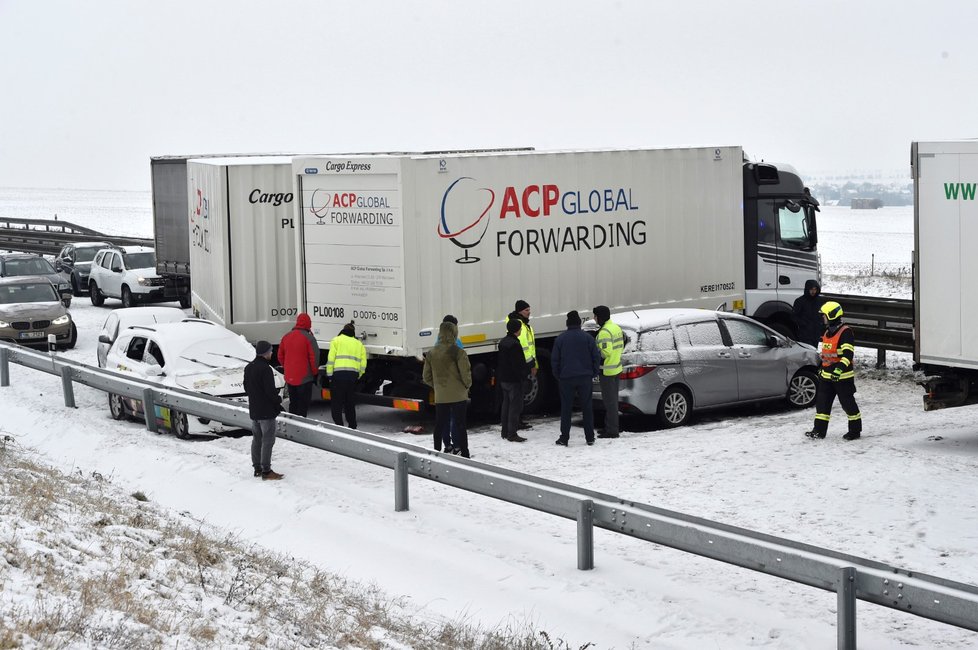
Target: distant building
[[864, 203]]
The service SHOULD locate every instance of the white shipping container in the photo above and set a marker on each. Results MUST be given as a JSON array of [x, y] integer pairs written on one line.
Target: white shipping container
[[242, 243], [396, 242], [946, 231]]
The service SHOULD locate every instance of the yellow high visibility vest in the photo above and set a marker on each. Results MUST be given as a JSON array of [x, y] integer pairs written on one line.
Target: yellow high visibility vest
[[528, 342], [611, 343], [346, 353]]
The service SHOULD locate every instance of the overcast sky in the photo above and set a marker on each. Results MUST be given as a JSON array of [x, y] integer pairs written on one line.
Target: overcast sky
[[91, 90]]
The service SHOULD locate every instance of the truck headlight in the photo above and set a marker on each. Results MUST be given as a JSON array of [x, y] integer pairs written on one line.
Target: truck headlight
[[61, 320]]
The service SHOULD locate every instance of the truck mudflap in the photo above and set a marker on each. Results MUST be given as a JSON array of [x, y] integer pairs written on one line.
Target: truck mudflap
[[950, 390], [403, 403]]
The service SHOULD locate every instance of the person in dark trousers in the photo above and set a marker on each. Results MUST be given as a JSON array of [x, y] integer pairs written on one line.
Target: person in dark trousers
[[522, 312], [808, 319], [298, 354], [264, 405], [611, 343], [836, 376], [447, 370], [447, 440], [511, 370], [346, 364], [575, 361]]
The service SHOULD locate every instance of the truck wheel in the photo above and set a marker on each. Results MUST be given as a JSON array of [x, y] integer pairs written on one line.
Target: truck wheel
[[127, 300], [675, 407], [98, 298], [184, 302], [539, 394], [802, 388]]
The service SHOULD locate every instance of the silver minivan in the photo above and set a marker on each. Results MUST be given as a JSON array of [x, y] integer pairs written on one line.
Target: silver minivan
[[677, 361]]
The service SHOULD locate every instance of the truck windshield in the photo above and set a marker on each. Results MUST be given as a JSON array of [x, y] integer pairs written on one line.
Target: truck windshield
[[793, 225]]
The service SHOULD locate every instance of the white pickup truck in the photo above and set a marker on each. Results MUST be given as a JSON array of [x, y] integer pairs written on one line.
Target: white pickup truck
[[127, 273]]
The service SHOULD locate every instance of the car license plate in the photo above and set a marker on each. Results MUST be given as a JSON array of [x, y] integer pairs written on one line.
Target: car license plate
[[32, 335]]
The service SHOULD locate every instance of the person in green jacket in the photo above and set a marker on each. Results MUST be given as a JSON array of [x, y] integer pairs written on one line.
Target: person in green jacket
[[447, 370]]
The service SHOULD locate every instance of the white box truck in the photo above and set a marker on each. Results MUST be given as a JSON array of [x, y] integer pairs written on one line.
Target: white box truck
[[242, 243], [945, 176], [395, 243]]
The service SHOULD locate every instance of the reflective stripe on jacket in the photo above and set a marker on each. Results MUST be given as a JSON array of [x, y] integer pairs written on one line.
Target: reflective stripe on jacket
[[611, 343], [528, 343], [837, 350], [346, 353]]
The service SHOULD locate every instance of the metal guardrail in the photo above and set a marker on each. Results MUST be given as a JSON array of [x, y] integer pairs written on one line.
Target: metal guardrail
[[47, 236], [882, 323], [852, 578]]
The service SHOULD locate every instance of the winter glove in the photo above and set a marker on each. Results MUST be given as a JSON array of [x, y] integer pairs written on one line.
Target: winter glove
[[837, 374]]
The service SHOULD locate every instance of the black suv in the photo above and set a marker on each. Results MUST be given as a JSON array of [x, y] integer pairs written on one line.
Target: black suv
[[75, 261]]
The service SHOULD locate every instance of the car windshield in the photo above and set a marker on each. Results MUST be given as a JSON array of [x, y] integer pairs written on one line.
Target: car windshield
[[34, 292], [140, 260], [86, 254], [227, 352], [28, 266]]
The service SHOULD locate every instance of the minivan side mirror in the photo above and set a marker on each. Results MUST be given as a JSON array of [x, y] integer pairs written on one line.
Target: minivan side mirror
[[773, 341]]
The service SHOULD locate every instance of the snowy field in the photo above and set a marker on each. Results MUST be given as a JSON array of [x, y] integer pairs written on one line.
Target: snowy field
[[904, 494]]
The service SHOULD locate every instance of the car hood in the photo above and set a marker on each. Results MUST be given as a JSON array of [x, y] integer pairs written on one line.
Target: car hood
[[218, 381], [148, 272], [38, 310]]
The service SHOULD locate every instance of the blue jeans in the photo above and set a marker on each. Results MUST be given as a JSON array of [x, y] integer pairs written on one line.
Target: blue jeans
[[581, 388]]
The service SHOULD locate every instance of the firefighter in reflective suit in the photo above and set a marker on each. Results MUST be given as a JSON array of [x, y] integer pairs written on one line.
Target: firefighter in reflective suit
[[836, 375]]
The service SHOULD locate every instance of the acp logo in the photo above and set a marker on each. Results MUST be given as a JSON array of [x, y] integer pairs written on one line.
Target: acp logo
[[458, 223]]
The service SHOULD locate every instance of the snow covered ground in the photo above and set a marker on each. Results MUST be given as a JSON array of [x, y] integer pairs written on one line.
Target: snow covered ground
[[904, 494]]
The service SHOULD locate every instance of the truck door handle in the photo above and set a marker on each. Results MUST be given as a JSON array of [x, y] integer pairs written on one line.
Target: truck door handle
[[784, 279]]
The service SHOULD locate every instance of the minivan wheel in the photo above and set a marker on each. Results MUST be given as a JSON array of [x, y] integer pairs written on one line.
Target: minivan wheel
[[675, 407], [802, 389], [116, 407]]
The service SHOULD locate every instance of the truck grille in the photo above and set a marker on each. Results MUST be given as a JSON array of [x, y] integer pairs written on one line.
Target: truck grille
[[26, 325]]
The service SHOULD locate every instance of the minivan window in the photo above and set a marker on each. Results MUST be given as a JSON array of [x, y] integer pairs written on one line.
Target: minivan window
[[706, 334], [744, 333], [657, 340]]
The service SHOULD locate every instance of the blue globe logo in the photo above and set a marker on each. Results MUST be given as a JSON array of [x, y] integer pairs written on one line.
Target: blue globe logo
[[463, 208]]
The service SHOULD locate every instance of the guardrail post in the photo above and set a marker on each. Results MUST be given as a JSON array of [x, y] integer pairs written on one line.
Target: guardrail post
[[4, 367], [149, 410], [67, 388], [847, 608], [880, 352], [401, 482], [585, 535]]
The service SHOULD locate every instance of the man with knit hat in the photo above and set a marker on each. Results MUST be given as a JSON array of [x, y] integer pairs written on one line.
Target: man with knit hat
[[511, 370], [298, 354], [346, 364], [527, 342], [264, 405], [611, 343], [575, 361]]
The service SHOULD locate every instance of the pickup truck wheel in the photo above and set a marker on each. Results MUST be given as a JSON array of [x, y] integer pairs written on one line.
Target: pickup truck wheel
[[802, 389], [675, 407], [127, 300], [98, 298]]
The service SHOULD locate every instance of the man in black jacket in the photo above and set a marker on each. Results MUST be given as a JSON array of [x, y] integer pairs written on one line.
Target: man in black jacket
[[264, 405], [511, 371], [808, 318], [575, 361]]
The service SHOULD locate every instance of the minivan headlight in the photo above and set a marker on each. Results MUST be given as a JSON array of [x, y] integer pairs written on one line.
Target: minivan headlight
[[61, 320]]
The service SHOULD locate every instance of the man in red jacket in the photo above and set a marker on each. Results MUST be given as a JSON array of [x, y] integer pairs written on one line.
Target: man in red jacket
[[298, 353]]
